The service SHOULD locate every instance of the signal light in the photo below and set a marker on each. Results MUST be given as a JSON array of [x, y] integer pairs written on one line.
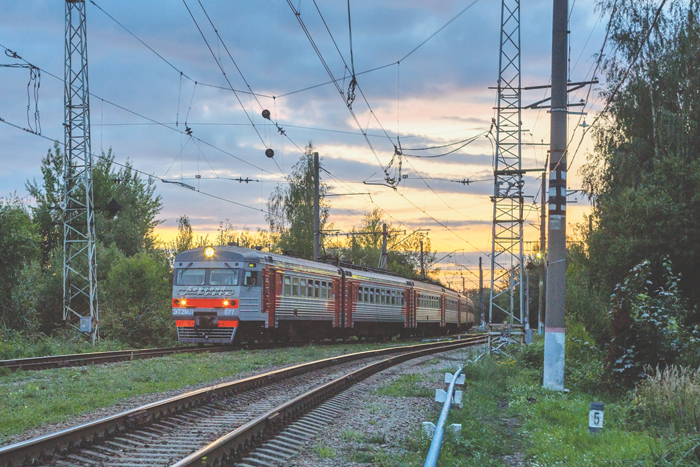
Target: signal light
[[209, 252]]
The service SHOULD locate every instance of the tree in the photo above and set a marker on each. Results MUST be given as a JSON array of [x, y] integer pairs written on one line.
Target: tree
[[229, 234], [131, 229], [136, 301], [644, 174], [185, 239], [291, 208], [364, 247], [19, 270]]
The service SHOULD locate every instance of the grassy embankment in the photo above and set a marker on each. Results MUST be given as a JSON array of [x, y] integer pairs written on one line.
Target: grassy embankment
[[508, 419], [32, 399]]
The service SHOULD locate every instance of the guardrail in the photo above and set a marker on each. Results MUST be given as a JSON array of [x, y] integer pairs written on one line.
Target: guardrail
[[434, 452]]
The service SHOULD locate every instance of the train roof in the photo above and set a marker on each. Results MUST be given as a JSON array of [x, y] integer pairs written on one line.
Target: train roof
[[247, 255]]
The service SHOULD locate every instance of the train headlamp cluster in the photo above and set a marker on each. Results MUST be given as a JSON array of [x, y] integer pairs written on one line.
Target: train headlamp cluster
[[209, 252]]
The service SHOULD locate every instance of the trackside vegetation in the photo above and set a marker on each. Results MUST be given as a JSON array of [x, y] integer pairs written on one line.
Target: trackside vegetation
[[508, 419]]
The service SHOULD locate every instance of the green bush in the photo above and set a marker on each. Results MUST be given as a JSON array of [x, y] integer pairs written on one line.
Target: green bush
[[648, 315], [584, 361], [532, 356], [19, 269], [135, 301]]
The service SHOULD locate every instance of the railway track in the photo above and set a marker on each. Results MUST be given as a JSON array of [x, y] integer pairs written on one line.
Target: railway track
[[72, 360], [61, 361], [213, 425]]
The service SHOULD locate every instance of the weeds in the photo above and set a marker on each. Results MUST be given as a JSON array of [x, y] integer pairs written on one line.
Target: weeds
[[405, 386], [669, 400]]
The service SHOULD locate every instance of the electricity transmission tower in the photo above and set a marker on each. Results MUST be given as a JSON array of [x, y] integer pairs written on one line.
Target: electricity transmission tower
[[79, 263], [507, 229]]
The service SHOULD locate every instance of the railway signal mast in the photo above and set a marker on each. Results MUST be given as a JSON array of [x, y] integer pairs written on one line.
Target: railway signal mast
[[79, 261], [507, 230]]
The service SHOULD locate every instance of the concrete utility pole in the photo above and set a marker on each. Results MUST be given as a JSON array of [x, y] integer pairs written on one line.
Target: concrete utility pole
[[79, 253], [383, 259], [422, 266], [543, 226], [554, 333], [481, 294], [317, 211]]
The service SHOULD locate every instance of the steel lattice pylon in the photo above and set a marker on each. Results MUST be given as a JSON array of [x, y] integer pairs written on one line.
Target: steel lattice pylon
[[507, 230], [79, 262]]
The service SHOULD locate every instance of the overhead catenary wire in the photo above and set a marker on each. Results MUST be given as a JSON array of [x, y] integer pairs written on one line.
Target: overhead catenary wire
[[151, 120], [150, 176], [335, 82], [394, 63], [218, 63]]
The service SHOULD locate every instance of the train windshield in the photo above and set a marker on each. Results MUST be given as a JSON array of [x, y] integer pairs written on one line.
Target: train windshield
[[190, 276], [223, 277], [213, 277]]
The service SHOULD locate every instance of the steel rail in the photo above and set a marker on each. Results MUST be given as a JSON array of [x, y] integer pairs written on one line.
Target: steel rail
[[236, 444], [61, 361], [94, 358], [47, 446]]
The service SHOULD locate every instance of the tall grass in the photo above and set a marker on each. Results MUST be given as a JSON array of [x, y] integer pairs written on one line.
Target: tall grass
[[669, 400]]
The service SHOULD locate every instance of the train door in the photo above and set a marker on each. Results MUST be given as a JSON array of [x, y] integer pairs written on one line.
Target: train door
[[443, 299], [337, 288], [408, 306], [459, 312], [269, 298], [414, 307], [350, 294]]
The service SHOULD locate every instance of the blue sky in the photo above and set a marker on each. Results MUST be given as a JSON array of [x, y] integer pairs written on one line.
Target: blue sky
[[437, 95]]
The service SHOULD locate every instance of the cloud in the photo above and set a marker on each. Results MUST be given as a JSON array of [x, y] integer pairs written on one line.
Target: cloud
[[437, 95]]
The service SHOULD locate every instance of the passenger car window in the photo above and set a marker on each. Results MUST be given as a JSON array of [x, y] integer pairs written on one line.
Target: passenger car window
[[295, 282], [287, 286]]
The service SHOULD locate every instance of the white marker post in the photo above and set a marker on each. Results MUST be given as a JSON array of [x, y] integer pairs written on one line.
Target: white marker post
[[595, 417]]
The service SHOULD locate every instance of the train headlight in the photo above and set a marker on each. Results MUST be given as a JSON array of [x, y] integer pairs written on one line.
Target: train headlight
[[183, 302], [226, 303], [209, 252]]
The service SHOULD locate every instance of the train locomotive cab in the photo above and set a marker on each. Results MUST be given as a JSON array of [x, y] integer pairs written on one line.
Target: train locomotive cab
[[212, 286]]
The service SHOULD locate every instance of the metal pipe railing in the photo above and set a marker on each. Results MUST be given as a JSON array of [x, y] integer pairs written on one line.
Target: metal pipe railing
[[434, 452]]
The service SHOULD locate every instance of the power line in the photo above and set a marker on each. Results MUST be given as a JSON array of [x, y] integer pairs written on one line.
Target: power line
[[218, 63], [149, 119], [397, 62], [330, 74], [182, 73], [150, 176]]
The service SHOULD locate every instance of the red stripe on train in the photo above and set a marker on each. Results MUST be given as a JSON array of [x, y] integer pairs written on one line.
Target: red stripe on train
[[205, 303]]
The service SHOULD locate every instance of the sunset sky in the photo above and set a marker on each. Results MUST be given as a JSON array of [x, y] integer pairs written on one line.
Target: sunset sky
[[436, 95]]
